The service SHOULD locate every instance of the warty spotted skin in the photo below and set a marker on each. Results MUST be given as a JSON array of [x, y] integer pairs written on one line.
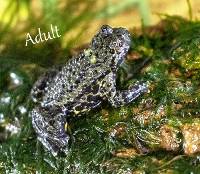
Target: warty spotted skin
[[81, 85]]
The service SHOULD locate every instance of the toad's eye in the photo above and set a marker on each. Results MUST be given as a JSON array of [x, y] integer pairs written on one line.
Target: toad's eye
[[105, 29]]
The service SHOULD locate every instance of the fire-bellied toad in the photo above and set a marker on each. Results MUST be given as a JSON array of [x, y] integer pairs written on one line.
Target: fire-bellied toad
[[81, 85]]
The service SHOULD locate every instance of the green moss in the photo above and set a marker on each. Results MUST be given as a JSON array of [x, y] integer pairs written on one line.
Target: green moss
[[110, 140]]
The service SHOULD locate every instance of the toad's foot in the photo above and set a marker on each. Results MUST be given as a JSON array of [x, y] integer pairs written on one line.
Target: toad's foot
[[50, 129], [120, 98]]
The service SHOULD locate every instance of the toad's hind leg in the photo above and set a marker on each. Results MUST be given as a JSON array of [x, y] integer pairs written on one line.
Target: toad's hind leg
[[49, 126], [40, 85]]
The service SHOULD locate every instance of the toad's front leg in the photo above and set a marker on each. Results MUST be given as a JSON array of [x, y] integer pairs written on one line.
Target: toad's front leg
[[49, 126], [120, 98]]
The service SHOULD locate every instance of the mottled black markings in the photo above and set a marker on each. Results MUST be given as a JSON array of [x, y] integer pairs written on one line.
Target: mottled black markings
[[95, 89], [88, 89], [63, 85], [52, 123], [91, 98], [79, 107], [78, 81]]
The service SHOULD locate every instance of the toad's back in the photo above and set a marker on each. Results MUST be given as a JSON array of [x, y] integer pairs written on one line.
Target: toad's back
[[73, 80]]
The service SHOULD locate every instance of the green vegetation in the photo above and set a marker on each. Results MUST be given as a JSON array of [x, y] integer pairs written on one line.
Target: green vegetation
[[154, 134]]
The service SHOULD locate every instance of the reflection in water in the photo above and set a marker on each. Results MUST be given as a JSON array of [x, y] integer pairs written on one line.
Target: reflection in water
[[16, 80]]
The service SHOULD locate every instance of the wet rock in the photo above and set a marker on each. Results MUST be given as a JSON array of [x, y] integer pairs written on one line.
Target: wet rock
[[125, 153], [191, 136], [168, 137]]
